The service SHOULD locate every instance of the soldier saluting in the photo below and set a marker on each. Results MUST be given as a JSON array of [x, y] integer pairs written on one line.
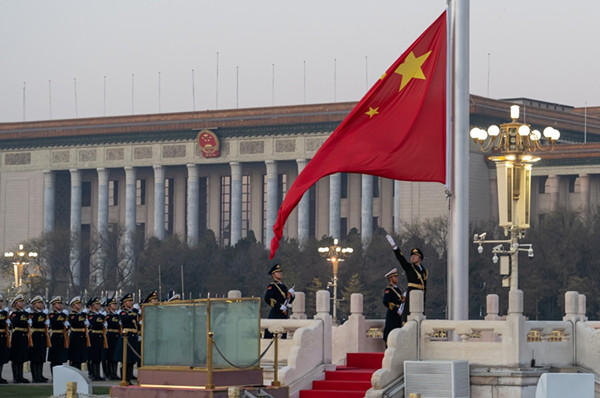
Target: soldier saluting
[[278, 297], [416, 274], [57, 354]]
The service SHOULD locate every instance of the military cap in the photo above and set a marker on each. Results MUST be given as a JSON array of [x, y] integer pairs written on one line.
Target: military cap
[[127, 297], [75, 300], [417, 251], [92, 301], [392, 272], [275, 268], [109, 301], [151, 296], [175, 297], [36, 299], [18, 297], [56, 299]]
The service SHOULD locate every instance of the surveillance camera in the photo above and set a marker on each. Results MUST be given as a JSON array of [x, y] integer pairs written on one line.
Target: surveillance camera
[[482, 236], [495, 259], [480, 249], [530, 252], [475, 237]]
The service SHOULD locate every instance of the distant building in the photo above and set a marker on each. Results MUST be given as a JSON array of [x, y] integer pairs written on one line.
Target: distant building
[[228, 170]]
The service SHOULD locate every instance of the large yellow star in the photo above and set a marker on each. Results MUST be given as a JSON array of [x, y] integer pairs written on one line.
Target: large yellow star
[[372, 112], [411, 68]]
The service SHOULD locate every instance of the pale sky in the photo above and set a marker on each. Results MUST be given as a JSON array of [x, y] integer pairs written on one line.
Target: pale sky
[[65, 59]]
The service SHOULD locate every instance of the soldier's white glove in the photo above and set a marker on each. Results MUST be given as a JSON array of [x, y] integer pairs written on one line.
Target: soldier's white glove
[[136, 306], [8, 322], [391, 241], [86, 323], [85, 311], [30, 322], [47, 322], [292, 292], [105, 324], [139, 338], [283, 308], [65, 312], [67, 324], [45, 311], [401, 309], [28, 310]]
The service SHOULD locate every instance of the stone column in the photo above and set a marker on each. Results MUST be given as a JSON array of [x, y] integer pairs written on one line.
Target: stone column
[[272, 202], [75, 261], [492, 303], [335, 196], [303, 210], [130, 210], [571, 307], [49, 195], [159, 202], [553, 187], [236, 203], [299, 306], [584, 180], [366, 209], [102, 225], [397, 207], [193, 192], [323, 305]]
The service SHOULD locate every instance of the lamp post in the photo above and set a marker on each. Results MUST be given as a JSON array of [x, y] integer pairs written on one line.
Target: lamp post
[[335, 254], [512, 145], [19, 259]]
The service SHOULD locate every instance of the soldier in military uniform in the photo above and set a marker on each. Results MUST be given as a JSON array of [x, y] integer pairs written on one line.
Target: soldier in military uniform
[[77, 337], [4, 338], [152, 298], [393, 299], [130, 322], [416, 274], [278, 297], [113, 331], [97, 335], [57, 353], [19, 347], [40, 339]]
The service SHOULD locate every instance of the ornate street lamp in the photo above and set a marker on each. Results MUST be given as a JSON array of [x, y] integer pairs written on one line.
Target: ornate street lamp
[[334, 254], [513, 146], [20, 259]]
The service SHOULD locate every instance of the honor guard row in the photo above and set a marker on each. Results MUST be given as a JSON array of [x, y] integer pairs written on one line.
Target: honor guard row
[[92, 335]]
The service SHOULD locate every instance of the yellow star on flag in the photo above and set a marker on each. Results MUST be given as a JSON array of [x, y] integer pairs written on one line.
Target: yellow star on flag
[[411, 68], [372, 112]]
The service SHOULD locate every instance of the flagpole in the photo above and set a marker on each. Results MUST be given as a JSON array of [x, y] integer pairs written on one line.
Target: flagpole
[[458, 248]]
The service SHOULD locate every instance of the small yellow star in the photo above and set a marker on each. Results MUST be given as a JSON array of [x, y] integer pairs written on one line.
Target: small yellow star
[[372, 112], [411, 68]]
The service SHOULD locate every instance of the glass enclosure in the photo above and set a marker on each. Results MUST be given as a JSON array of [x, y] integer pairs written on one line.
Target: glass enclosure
[[175, 334]]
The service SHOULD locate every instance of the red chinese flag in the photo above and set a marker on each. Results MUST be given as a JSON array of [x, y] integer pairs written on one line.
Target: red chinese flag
[[397, 131]]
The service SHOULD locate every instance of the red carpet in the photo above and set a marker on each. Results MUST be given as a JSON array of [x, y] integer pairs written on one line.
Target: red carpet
[[352, 380]]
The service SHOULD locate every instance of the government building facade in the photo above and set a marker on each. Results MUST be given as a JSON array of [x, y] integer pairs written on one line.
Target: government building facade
[[228, 171]]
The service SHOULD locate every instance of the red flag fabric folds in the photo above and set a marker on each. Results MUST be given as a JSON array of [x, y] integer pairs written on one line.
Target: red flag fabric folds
[[397, 131]]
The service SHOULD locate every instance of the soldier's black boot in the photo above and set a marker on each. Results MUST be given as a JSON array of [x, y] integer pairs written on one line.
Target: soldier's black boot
[[129, 372], [113, 370], [20, 370], [105, 369], [34, 372], [15, 372], [41, 373]]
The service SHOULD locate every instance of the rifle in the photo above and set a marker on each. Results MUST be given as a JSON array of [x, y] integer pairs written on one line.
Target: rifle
[[29, 337], [7, 337], [48, 342], [104, 340], [87, 337], [65, 337]]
